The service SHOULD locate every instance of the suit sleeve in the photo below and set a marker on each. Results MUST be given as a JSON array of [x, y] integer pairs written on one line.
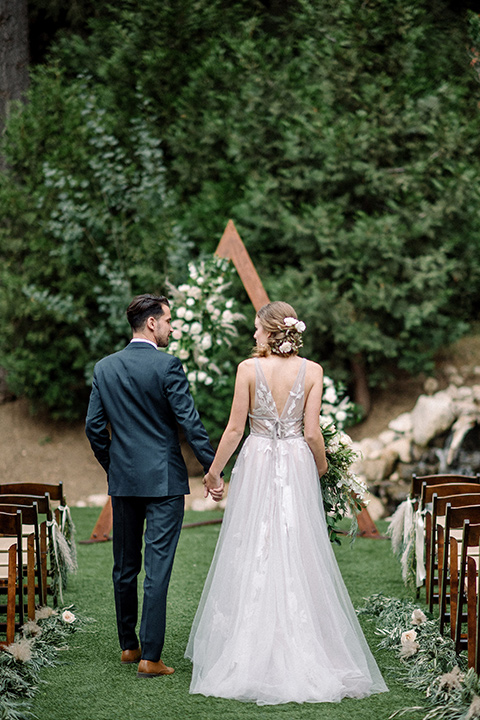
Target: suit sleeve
[[178, 393], [96, 427]]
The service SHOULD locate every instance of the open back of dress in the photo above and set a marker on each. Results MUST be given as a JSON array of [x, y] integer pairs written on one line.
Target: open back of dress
[[275, 623]]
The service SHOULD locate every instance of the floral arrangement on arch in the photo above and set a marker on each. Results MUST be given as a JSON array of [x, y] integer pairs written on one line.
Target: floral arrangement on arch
[[205, 320]]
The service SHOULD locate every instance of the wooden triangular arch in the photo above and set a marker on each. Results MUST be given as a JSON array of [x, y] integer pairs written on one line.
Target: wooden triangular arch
[[232, 248]]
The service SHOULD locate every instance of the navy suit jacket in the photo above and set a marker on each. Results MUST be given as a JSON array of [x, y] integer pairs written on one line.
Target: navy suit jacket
[[143, 395]]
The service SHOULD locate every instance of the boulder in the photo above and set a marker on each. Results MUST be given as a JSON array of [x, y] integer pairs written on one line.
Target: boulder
[[431, 416], [402, 423]]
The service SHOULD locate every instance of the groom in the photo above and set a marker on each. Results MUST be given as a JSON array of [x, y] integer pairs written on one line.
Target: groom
[[139, 398]]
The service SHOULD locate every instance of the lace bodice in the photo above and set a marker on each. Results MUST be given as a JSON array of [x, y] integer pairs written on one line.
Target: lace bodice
[[265, 420]]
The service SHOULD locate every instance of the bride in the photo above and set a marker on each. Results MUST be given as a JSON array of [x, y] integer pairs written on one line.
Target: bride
[[275, 623]]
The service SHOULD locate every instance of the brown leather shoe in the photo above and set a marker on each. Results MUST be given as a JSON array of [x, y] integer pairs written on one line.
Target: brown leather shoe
[[149, 669], [131, 656]]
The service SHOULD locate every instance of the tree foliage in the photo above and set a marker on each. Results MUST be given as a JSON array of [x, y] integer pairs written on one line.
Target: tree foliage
[[342, 137]]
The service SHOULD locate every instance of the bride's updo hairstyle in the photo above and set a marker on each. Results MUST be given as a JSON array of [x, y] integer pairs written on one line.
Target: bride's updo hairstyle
[[280, 320]]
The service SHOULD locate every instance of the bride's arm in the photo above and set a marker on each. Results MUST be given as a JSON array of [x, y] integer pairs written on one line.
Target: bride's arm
[[233, 433], [311, 420]]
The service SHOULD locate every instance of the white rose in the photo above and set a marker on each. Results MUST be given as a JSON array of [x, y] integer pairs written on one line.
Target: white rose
[[202, 376], [210, 307], [285, 347], [341, 416], [409, 636], [208, 380], [68, 617], [300, 326], [200, 281], [330, 395], [177, 324], [189, 316], [190, 301], [183, 354], [328, 382], [173, 346], [289, 321], [176, 335], [206, 342], [227, 316], [196, 328], [192, 271], [184, 288], [202, 359], [195, 292], [192, 376], [180, 312], [216, 313], [418, 617]]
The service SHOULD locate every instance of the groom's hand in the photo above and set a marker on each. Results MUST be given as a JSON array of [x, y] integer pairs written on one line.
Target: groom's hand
[[213, 485]]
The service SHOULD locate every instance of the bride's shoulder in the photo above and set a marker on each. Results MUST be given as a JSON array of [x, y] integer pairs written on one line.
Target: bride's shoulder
[[314, 369], [246, 365]]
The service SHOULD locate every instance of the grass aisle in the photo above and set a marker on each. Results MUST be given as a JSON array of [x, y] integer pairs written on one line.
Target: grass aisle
[[90, 684]]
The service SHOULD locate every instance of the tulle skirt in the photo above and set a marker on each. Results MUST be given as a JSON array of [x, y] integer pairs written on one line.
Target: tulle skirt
[[275, 623]]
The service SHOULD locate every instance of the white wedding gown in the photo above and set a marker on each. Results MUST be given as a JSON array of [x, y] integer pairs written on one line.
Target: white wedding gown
[[275, 623]]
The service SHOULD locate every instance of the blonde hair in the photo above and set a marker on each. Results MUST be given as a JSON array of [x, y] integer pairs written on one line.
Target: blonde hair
[[272, 317]]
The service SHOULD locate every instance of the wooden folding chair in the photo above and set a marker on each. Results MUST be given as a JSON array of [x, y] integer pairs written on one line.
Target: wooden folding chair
[[456, 510], [433, 495], [11, 573], [419, 480], [466, 611], [55, 492], [31, 524], [47, 551]]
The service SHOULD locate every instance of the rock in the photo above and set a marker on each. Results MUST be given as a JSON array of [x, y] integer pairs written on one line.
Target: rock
[[370, 448], [403, 448], [402, 423], [430, 385], [431, 416], [376, 469], [476, 393], [375, 507], [387, 436]]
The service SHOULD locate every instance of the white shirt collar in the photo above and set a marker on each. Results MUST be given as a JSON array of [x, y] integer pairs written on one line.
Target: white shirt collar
[[137, 340]]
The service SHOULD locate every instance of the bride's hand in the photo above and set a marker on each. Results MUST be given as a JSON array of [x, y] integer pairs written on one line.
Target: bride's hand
[[214, 486]]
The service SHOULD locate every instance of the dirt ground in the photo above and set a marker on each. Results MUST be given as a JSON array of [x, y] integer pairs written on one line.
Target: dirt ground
[[35, 448]]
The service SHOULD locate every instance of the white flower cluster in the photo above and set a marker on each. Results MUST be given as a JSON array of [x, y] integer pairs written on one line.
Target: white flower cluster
[[334, 409], [202, 321]]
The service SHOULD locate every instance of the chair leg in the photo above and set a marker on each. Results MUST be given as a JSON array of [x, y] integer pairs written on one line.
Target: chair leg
[[471, 610], [453, 585], [11, 593], [31, 577]]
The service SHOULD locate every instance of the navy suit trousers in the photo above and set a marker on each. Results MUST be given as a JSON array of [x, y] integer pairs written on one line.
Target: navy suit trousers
[[163, 517]]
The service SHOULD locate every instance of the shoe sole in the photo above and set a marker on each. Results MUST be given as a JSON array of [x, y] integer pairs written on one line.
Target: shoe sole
[[152, 675]]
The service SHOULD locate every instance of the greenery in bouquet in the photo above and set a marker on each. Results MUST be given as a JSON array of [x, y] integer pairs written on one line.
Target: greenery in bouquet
[[342, 490]]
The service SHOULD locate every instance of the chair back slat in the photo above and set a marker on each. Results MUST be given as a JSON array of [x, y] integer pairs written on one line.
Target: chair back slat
[[428, 491], [55, 491]]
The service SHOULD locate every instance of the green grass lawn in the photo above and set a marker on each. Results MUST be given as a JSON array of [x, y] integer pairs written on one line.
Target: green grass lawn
[[91, 684]]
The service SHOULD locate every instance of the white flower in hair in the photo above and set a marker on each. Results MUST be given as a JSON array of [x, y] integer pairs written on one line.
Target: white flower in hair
[[288, 321], [285, 347], [300, 326]]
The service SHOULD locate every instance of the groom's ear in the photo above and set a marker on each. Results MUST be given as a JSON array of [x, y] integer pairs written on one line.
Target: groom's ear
[[150, 323]]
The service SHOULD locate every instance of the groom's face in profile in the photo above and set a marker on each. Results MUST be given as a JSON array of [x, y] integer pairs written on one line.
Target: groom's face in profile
[[163, 328]]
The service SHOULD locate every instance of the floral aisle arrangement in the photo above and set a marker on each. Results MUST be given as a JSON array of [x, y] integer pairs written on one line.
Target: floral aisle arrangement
[[37, 646], [428, 660]]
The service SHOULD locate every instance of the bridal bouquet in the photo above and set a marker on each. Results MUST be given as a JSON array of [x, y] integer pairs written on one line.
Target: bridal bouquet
[[342, 490]]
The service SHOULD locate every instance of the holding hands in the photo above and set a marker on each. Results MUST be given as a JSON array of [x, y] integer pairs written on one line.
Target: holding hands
[[213, 485]]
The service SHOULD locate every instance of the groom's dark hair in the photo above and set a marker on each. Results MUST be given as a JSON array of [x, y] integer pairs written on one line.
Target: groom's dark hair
[[144, 306]]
